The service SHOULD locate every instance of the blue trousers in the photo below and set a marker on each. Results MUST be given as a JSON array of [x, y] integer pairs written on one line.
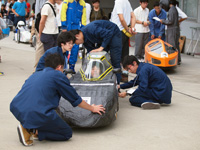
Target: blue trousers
[[115, 48], [74, 54], [48, 40], [139, 97], [57, 130], [17, 19], [75, 49], [156, 36]]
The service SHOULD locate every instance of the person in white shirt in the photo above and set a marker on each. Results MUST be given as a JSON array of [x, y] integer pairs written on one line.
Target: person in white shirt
[[48, 28], [182, 16], [58, 13], [123, 16], [88, 11], [142, 28]]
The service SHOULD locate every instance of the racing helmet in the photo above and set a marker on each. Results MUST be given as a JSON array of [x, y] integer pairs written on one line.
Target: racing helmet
[[20, 24]]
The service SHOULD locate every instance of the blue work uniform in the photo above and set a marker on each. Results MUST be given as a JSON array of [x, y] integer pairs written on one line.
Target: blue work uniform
[[156, 27], [153, 86], [73, 16], [57, 49], [34, 106], [106, 34]]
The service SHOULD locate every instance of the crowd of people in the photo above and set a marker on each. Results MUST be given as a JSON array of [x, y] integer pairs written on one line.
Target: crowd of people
[[63, 26]]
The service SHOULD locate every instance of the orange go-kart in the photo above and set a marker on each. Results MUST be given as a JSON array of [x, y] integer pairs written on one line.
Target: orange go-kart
[[161, 54]]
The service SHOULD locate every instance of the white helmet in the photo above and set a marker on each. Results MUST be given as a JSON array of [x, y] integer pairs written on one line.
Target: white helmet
[[20, 23]]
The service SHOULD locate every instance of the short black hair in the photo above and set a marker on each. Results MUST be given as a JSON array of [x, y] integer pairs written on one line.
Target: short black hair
[[64, 37], [173, 2], [156, 4], [94, 1], [128, 60], [141, 1], [54, 60], [75, 32]]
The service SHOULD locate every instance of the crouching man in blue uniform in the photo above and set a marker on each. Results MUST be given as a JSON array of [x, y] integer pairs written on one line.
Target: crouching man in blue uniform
[[65, 43], [154, 87], [34, 106], [102, 35]]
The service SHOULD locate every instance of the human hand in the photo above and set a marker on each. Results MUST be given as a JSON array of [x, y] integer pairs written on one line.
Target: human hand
[[122, 95], [17, 14], [64, 30], [161, 21], [98, 109], [118, 86], [39, 35], [152, 37], [97, 50], [145, 24], [132, 31]]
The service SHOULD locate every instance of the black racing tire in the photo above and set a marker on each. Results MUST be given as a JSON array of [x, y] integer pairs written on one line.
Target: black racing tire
[[18, 36]]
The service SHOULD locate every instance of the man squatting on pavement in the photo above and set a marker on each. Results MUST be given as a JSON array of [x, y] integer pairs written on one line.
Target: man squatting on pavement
[[34, 106]]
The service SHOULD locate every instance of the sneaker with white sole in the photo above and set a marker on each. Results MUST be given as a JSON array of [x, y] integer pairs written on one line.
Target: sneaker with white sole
[[24, 136], [150, 105]]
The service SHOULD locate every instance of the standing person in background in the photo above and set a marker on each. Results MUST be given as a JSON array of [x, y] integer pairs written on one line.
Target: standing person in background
[[33, 24], [97, 13], [3, 11], [123, 16], [48, 28], [39, 51], [182, 16], [73, 16], [142, 28], [157, 30], [10, 13], [8, 4], [173, 30], [20, 10], [88, 11], [28, 8], [58, 13]]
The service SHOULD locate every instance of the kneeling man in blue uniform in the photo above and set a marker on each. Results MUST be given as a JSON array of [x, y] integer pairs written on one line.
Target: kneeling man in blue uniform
[[65, 43], [154, 87], [34, 106], [102, 35]]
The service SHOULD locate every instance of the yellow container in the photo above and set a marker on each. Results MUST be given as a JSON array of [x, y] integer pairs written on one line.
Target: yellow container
[[127, 33]]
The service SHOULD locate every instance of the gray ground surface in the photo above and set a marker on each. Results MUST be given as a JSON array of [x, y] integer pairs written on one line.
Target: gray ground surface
[[174, 127]]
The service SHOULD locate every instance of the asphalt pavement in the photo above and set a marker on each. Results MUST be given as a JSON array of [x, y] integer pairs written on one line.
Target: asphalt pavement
[[173, 127]]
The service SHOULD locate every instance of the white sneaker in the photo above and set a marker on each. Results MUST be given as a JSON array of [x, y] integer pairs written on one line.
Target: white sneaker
[[150, 105]]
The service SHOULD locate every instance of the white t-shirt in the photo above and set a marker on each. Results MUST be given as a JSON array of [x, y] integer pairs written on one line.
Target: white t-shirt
[[121, 7], [58, 13], [141, 15], [181, 14], [88, 11], [51, 26]]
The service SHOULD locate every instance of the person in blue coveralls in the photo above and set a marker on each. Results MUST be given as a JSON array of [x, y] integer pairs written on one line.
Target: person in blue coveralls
[[34, 106], [157, 29], [73, 16], [65, 43], [102, 35], [154, 87]]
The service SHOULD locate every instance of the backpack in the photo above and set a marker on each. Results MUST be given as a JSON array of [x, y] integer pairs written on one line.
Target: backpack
[[38, 18]]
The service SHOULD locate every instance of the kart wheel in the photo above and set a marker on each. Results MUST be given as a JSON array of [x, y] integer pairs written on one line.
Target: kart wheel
[[18, 36]]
